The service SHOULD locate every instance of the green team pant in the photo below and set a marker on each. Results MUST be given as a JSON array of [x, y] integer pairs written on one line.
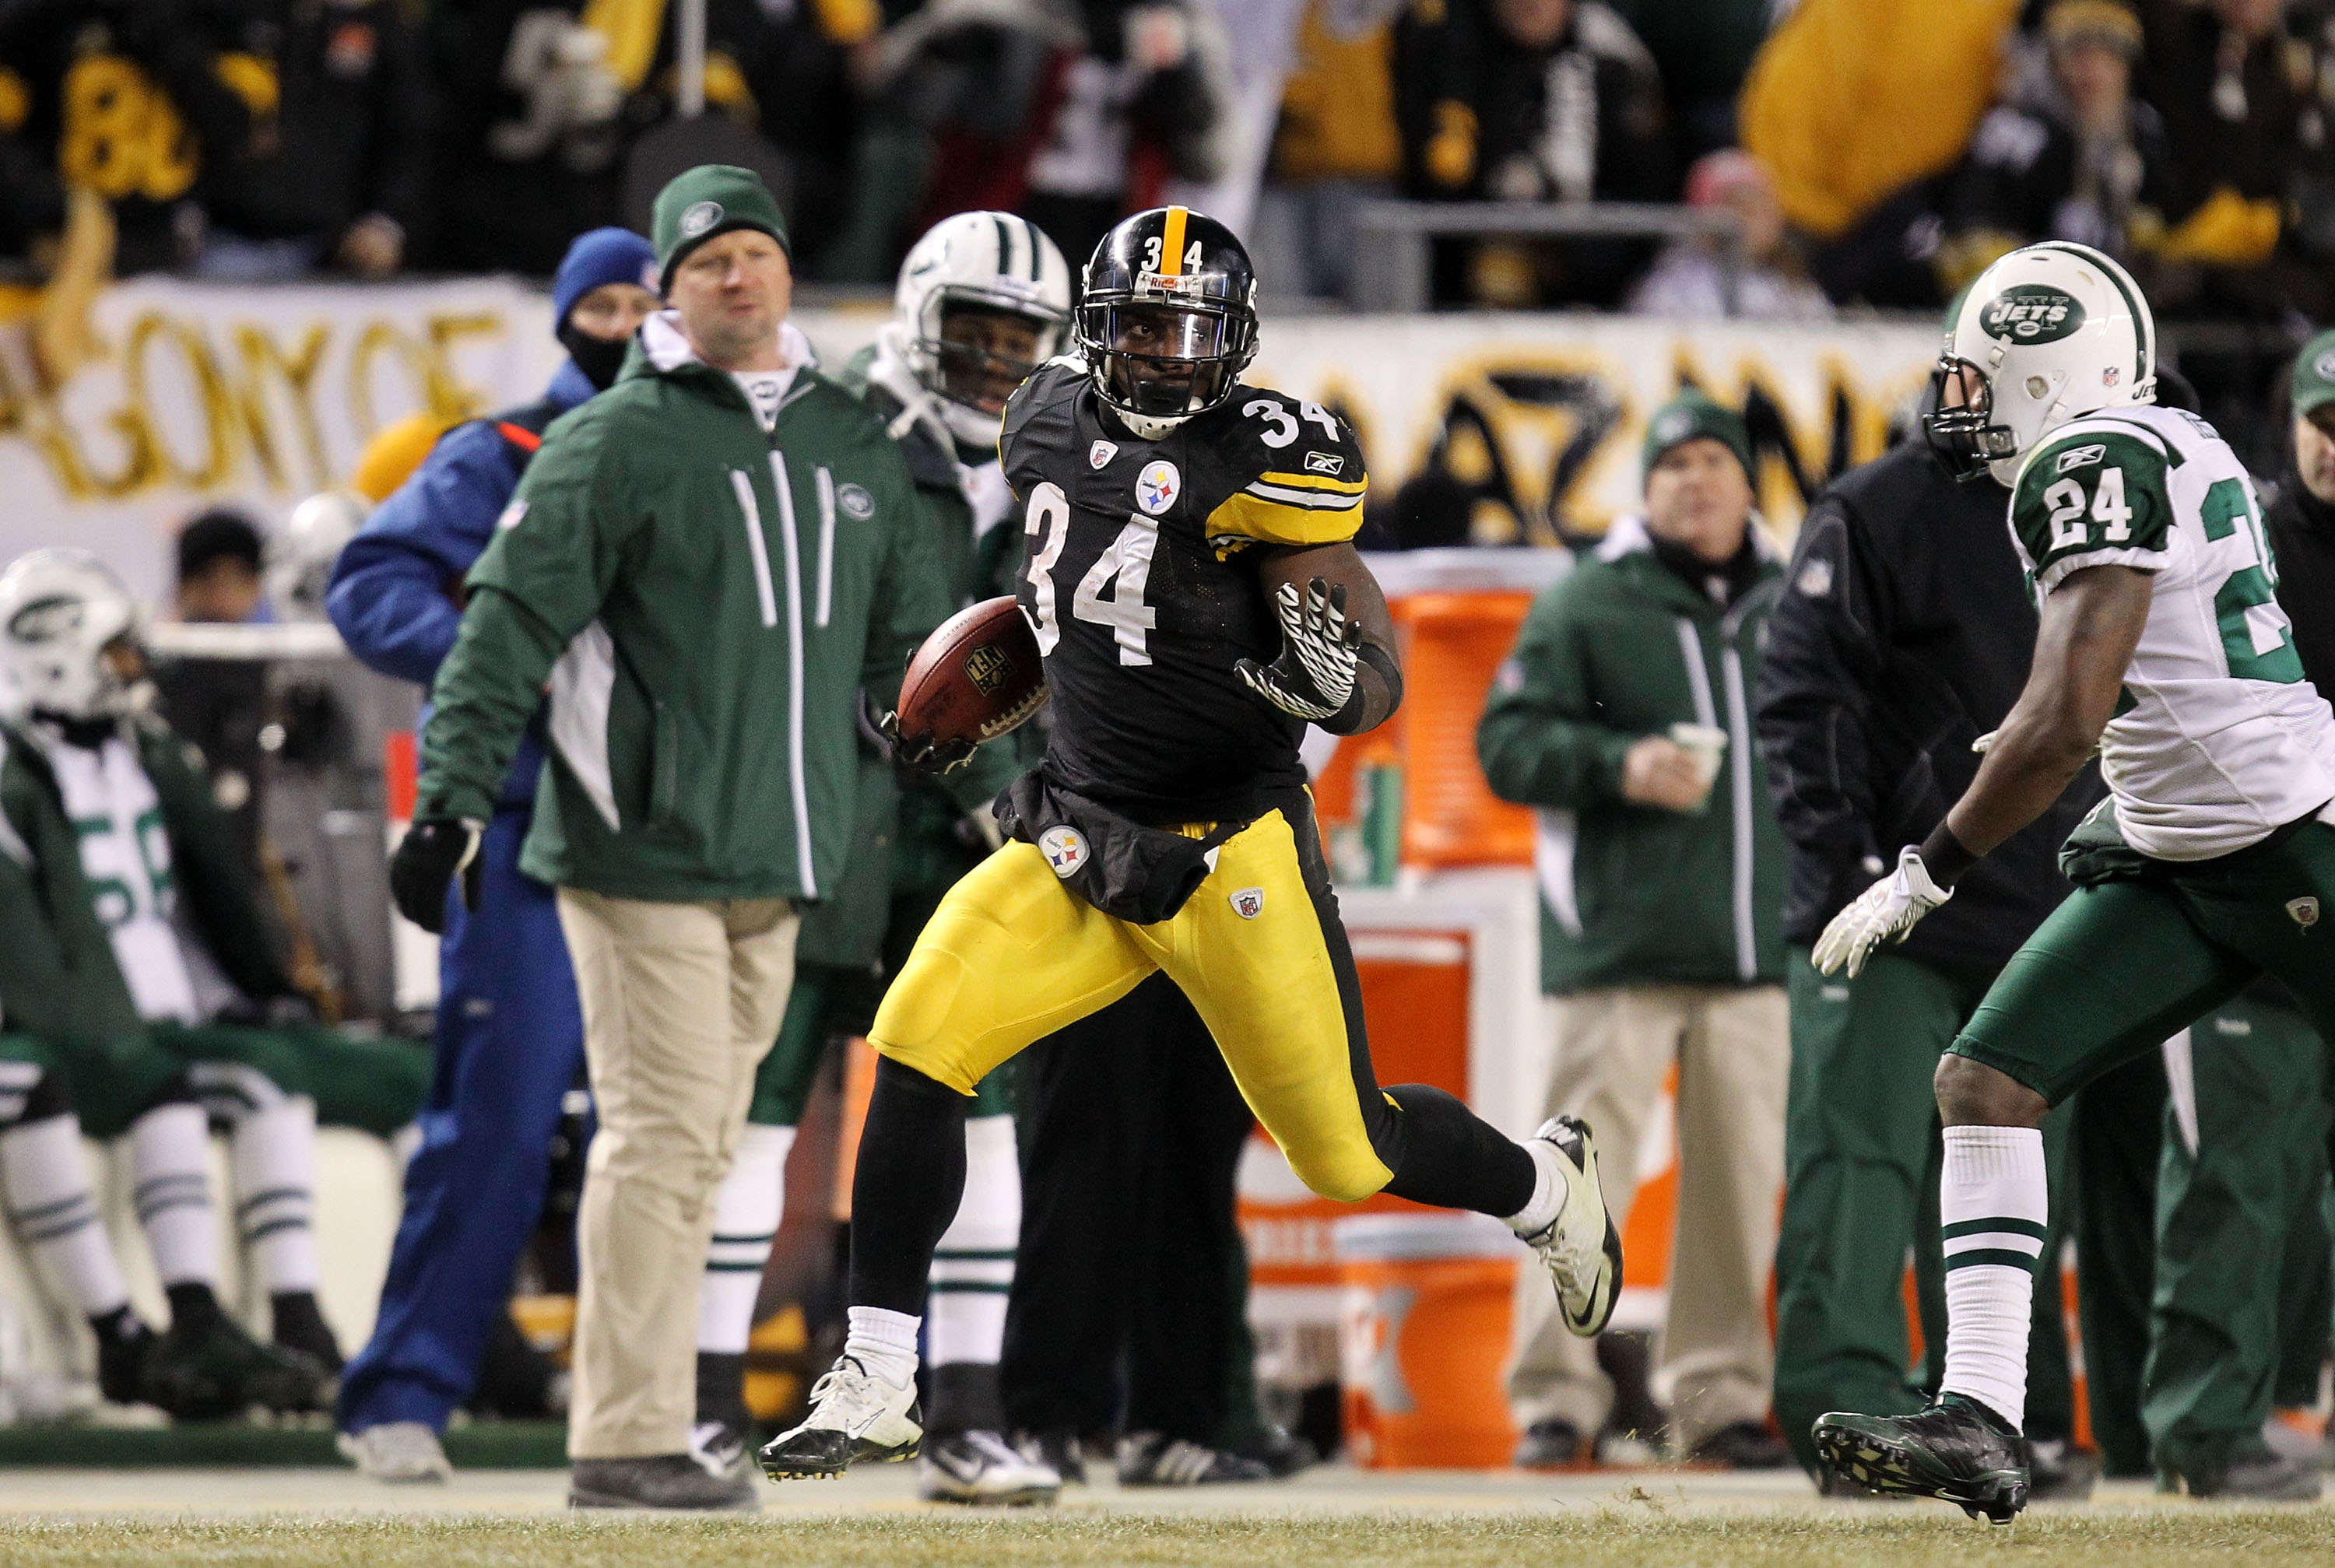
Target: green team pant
[[2238, 1207], [1861, 1158], [375, 1085], [2122, 967]]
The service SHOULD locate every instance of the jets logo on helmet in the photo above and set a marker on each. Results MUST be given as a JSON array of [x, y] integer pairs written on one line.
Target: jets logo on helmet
[[2047, 334], [976, 263], [1167, 321], [60, 613]]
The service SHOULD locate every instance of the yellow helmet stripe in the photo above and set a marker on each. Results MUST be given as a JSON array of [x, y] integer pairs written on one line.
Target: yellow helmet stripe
[[1171, 244]]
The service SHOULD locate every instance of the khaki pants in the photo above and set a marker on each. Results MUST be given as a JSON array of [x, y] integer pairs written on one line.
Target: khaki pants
[[681, 1000], [1732, 1045]]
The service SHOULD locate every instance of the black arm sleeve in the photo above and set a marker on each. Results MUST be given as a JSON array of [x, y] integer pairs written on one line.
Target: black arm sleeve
[[1825, 648]]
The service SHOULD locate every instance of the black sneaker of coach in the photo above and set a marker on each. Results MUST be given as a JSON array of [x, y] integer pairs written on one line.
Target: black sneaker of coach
[[1155, 1459], [1741, 1446], [1548, 1446], [2059, 1472], [671, 1481], [2256, 1473], [1956, 1450]]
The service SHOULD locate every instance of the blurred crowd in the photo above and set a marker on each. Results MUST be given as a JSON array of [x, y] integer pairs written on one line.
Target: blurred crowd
[[1873, 152]]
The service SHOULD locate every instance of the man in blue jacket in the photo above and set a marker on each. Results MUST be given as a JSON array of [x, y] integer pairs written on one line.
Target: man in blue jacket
[[510, 1036]]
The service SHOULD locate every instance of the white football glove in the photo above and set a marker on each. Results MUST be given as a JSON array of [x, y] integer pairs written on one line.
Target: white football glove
[[1320, 649], [1884, 912]]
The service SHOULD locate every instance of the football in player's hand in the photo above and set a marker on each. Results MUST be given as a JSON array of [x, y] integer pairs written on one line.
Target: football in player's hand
[[977, 676]]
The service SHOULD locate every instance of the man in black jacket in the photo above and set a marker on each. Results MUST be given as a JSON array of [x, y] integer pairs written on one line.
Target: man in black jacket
[[1903, 635]]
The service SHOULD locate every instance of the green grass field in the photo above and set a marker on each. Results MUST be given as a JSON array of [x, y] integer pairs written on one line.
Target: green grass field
[[1626, 1536]]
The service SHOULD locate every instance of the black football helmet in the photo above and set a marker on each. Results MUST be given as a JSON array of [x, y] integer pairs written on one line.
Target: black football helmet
[[1167, 321]]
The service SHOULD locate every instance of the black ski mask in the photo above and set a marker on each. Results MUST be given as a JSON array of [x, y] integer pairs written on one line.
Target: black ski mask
[[599, 358]]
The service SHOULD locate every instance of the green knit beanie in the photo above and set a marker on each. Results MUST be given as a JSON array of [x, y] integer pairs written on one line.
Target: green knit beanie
[[708, 199], [1692, 415]]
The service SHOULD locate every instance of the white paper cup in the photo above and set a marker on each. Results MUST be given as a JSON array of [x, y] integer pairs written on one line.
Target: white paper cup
[[1707, 744]]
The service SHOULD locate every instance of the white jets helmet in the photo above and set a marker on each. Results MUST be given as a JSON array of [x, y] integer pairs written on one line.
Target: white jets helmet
[[2048, 333], [60, 609], [991, 261], [300, 554]]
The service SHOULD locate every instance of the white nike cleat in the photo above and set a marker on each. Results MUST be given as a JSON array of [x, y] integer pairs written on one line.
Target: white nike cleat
[[856, 1418], [1580, 1247], [980, 1467], [401, 1453]]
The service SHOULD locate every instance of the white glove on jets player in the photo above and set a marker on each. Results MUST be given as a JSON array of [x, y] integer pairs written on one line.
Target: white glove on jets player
[[1884, 912], [1313, 679]]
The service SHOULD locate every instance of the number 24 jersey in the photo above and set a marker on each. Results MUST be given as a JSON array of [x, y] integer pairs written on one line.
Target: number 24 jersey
[[2217, 740], [1140, 572]]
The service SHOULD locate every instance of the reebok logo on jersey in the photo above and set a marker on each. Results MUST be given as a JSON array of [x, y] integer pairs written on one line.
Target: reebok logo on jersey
[[1065, 849], [1324, 462], [1249, 902], [2303, 911], [1100, 453], [2080, 458], [1156, 488]]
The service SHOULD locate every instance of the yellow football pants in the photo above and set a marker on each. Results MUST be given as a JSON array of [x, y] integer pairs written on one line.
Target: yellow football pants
[[1012, 956]]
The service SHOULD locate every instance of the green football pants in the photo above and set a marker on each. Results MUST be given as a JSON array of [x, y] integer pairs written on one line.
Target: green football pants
[[2239, 1206], [1861, 1158]]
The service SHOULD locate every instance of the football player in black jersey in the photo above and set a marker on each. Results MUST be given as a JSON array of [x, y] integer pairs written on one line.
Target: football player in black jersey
[[1189, 571]]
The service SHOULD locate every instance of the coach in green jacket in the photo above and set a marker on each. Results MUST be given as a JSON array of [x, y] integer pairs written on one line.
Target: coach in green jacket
[[705, 563], [1624, 716]]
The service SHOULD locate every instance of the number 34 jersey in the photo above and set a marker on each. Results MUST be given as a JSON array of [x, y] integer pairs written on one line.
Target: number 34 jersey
[[2217, 740], [1140, 572]]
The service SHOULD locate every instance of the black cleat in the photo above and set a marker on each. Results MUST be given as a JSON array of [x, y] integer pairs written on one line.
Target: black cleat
[[1957, 1449], [214, 1370]]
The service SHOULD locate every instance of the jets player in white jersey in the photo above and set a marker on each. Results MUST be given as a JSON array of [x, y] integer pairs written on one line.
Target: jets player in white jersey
[[2212, 862]]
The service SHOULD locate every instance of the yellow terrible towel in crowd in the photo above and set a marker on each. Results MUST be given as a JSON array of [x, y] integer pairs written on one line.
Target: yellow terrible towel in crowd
[[1851, 98]]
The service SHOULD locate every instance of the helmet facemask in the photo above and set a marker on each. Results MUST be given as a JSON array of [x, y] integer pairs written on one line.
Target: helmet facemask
[[966, 353], [1164, 359]]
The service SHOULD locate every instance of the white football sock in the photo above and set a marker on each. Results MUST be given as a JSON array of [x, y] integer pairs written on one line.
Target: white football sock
[[274, 1150], [746, 1211], [55, 1213], [973, 1267], [1993, 1199], [171, 1189], [883, 1343], [1549, 1179]]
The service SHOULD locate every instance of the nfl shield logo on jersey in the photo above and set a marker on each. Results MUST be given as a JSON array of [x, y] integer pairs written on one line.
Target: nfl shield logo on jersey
[[1065, 849], [1156, 488], [1100, 453], [1249, 902]]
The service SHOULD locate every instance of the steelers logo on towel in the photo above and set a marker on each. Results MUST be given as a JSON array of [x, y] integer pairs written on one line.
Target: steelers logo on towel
[[1065, 849]]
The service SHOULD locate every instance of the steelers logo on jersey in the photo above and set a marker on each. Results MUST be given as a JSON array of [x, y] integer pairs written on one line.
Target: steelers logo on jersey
[[1156, 488]]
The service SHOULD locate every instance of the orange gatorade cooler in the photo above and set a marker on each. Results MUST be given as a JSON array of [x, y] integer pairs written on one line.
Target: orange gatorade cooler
[[1423, 1338]]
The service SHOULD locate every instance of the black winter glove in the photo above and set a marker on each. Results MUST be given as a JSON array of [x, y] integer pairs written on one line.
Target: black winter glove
[[428, 858], [923, 753], [1313, 679]]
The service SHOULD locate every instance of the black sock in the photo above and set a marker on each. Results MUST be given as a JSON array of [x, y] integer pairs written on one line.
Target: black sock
[[906, 1190], [1454, 1159], [194, 1309], [299, 1325], [721, 1389], [965, 1398]]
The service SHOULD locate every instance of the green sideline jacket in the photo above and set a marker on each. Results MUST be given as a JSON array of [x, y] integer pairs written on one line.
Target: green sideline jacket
[[905, 828], [1620, 649], [705, 601]]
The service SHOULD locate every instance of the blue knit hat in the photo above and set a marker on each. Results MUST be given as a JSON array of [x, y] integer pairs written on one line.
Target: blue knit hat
[[601, 255]]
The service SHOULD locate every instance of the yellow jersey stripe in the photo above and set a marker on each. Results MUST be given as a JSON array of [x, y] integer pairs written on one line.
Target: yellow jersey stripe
[[1315, 482], [1171, 245], [1274, 523]]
